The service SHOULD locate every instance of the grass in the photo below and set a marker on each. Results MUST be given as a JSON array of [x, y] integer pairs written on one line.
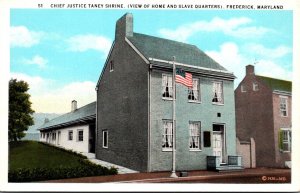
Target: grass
[[33, 161], [31, 154]]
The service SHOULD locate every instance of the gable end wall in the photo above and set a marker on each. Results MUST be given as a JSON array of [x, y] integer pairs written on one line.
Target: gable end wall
[[122, 109], [254, 118]]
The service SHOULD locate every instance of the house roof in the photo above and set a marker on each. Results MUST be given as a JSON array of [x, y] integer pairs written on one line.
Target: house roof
[[164, 49], [84, 114], [277, 84]]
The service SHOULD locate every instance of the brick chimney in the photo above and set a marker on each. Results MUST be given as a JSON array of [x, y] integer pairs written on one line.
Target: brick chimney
[[124, 26], [73, 105], [250, 70]]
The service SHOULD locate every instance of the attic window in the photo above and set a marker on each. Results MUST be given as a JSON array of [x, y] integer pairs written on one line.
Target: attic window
[[111, 66], [243, 89], [255, 87]]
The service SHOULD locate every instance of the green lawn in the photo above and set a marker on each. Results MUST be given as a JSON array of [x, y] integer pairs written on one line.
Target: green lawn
[[33, 161], [31, 154]]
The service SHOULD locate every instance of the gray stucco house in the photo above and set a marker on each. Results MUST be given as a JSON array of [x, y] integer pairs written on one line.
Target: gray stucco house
[[134, 105]]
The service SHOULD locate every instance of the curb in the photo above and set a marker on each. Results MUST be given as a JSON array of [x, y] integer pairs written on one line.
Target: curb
[[196, 178]]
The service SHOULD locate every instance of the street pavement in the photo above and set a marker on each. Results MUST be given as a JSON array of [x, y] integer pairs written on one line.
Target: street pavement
[[248, 176]]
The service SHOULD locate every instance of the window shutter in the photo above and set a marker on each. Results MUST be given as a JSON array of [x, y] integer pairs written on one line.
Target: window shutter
[[206, 136], [280, 139]]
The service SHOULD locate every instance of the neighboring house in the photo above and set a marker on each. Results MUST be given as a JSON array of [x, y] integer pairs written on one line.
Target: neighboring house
[[134, 104], [264, 113], [74, 130]]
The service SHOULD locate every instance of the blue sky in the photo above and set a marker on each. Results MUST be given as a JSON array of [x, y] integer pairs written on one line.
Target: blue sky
[[61, 53]]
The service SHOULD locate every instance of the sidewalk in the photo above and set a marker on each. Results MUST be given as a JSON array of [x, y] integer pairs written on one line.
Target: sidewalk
[[121, 170], [193, 176]]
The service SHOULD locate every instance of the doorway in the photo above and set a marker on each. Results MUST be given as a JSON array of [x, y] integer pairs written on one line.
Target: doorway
[[92, 138], [218, 141]]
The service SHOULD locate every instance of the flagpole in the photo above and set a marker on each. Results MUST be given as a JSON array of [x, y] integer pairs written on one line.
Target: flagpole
[[173, 175]]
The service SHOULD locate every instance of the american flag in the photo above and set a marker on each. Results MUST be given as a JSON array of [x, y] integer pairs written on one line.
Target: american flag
[[184, 77]]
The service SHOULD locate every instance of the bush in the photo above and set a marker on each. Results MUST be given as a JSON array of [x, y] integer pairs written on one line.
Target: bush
[[39, 174]]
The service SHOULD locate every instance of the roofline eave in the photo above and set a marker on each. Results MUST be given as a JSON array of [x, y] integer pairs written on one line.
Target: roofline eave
[[69, 123], [105, 64], [228, 74], [137, 51]]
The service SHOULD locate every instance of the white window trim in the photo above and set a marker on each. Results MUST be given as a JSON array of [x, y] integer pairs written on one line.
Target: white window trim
[[284, 97], [224, 137], [200, 137], [219, 103], [199, 92], [78, 135], [255, 86], [69, 135], [111, 66], [163, 134], [243, 89], [162, 89], [105, 131], [289, 140]]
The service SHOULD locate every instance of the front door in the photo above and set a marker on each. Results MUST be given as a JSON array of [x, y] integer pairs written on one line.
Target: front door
[[218, 145], [218, 142]]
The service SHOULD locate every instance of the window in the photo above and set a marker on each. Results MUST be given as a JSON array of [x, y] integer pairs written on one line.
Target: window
[[53, 136], [283, 106], [70, 135], [195, 139], [218, 93], [80, 135], [255, 87], [194, 93], [285, 139], [167, 141], [111, 66], [243, 89], [167, 86], [105, 139]]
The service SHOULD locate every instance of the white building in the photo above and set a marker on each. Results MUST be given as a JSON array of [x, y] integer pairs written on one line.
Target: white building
[[74, 130]]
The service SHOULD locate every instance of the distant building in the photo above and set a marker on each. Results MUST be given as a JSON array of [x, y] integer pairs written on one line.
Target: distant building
[[134, 105], [264, 113], [74, 130]]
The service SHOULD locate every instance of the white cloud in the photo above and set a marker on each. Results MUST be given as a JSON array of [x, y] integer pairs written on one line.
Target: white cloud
[[260, 50], [59, 100], [21, 36], [81, 43], [230, 56], [47, 97], [233, 27], [36, 60], [35, 82], [271, 69]]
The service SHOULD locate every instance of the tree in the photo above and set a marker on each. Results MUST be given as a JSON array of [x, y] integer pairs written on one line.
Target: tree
[[20, 112]]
